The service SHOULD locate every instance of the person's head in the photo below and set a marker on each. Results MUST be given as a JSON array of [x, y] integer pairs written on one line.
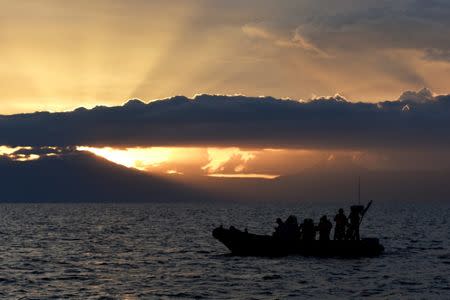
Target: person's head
[[279, 221], [291, 219], [341, 211], [324, 218]]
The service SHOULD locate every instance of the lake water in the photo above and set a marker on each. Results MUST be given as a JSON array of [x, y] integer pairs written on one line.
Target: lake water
[[128, 251]]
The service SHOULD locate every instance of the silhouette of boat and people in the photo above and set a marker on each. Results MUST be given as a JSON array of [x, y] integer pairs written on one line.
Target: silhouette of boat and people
[[290, 237]]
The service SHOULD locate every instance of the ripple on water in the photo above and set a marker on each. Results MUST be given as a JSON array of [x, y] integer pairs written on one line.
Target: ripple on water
[[103, 251]]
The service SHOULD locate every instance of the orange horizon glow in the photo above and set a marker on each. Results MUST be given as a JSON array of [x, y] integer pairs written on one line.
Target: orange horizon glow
[[138, 158], [227, 162], [213, 162], [245, 175]]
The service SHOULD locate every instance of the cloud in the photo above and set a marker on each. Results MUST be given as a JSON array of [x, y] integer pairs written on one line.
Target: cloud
[[437, 55], [369, 26], [368, 44], [256, 31], [422, 96], [224, 159], [301, 41], [296, 40], [226, 121]]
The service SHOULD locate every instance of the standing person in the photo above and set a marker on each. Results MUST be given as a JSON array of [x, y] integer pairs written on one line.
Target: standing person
[[341, 224], [354, 217], [280, 230], [292, 227], [324, 228], [308, 230]]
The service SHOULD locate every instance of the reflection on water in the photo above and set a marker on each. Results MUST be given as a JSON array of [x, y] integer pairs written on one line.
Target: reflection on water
[[155, 250]]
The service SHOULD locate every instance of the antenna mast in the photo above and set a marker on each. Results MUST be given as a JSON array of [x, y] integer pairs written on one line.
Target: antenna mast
[[359, 190]]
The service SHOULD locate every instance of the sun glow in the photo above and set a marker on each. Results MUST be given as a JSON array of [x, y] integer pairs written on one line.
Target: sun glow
[[244, 175], [174, 172], [219, 157], [13, 153], [5, 150], [139, 158], [228, 162]]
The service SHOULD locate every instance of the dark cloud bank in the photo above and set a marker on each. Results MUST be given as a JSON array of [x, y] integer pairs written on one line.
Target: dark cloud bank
[[417, 120]]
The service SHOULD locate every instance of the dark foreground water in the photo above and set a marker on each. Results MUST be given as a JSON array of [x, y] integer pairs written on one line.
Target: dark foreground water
[[167, 251]]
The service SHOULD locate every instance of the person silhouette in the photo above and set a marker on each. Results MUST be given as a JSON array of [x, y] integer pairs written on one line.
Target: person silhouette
[[324, 228], [308, 230], [280, 230], [341, 224], [292, 227], [355, 218]]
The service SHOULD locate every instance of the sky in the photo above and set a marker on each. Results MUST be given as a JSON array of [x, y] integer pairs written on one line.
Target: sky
[[60, 55], [254, 87]]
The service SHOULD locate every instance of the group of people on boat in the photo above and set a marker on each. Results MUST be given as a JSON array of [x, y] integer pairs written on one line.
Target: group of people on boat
[[346, 228]]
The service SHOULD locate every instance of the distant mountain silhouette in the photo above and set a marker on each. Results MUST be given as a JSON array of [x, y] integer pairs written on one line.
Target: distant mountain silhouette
[[83, 177]]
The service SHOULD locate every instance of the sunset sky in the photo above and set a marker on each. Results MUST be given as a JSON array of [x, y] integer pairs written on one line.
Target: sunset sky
[[60, 55], [327, 56]]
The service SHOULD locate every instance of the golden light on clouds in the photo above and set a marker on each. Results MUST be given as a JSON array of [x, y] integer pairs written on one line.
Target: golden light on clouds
[[138, 158], [11, 153], [215, 162], [59, 55], [218, 157], [5, 150], [86, 54], [227, 162], [246, 175], [174, 172]]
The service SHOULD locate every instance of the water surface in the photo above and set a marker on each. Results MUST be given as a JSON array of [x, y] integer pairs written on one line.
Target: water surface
[[133, 251]]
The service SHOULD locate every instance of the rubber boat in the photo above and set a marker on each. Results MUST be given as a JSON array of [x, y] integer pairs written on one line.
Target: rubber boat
[[246, 244]]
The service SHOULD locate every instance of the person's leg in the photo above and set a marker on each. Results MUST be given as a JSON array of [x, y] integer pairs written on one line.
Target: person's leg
[[350, 233]]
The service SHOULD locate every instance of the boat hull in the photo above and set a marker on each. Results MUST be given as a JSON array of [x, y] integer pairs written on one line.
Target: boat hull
[[247, 244]]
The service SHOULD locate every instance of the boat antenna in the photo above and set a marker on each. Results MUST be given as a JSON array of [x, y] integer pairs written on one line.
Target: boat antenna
[[359, 190]]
